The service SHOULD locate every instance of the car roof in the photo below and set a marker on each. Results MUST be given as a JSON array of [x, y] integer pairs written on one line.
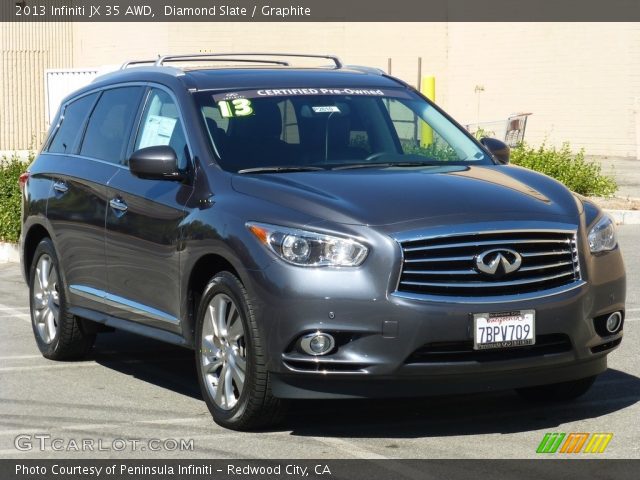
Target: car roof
[[253, 77], [248, 70], [287, 77]]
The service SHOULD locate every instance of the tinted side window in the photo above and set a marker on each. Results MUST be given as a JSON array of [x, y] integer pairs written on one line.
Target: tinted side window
[[73, 119], [161, 125], [110, 124]]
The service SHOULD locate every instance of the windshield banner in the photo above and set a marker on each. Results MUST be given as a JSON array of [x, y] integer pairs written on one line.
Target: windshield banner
[[296, 92]]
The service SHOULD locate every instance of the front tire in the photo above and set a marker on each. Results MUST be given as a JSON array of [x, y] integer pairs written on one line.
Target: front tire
[[59, 335], [230, 360], [557, 392]]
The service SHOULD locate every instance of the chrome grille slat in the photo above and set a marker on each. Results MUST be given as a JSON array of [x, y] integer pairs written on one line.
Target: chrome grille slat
[[543, 254], [441, 272], [482, 243], [495, 284], [439, 259], [546, 265], [445, 266]]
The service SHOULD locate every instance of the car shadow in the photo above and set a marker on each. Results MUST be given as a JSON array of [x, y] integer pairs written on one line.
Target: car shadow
[[167, 366], [481, 413], [173, 368]]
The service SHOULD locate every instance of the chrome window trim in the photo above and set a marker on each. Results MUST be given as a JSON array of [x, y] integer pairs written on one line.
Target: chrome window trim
[[84, 157]]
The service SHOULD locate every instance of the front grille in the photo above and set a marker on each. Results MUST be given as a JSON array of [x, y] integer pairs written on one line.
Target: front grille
[[446, 265], [449, 352]]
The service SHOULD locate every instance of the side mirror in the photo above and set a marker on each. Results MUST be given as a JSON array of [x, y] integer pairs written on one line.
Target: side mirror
[[498, 149], [157, 163]]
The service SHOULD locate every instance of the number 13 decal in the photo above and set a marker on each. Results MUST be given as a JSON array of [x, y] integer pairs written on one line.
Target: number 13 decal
[[240, 107]]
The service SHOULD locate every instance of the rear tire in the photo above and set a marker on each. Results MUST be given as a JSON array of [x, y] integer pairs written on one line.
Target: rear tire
[[59, 335], [557, 392], [230, 359]]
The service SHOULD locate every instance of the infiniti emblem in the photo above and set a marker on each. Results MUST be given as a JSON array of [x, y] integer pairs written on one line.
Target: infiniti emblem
[[492, 260]]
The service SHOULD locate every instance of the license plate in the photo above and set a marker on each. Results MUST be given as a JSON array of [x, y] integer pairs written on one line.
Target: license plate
[[504, 329]]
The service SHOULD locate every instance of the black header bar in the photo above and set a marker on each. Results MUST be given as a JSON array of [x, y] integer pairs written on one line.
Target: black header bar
[[320, 10], [390, 469]]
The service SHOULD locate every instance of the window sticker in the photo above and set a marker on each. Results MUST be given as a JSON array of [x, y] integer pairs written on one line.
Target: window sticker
[[327, 109], [157, 131], [237, 107]]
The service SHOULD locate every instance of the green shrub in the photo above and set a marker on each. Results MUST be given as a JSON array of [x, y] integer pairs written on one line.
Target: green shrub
[[578, 174], [437, 150], [10, 197]]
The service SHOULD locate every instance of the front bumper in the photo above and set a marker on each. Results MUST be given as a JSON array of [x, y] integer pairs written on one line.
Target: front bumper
[[380, 335], [299, 386]]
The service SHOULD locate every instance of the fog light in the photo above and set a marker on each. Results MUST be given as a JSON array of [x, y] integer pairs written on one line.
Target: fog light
[[317, 343], [613, 322]]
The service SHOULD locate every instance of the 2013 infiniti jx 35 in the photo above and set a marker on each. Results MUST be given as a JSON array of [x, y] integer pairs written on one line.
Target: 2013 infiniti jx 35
[[311, 233]]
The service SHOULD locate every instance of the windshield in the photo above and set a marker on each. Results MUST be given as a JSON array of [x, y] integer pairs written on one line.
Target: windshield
[[311, 129]]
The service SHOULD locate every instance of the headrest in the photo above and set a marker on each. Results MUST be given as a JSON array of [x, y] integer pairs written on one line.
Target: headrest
[[265, 121]]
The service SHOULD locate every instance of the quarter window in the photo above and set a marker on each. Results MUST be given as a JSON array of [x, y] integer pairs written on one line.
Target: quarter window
[[110, 124], [73, 118], [161, 125]]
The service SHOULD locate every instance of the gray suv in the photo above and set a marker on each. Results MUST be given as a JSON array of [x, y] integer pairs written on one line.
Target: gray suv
[[317, 232]]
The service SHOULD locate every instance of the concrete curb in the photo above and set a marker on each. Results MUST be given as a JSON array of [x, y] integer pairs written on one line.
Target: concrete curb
[[625, 217], [9, 253]]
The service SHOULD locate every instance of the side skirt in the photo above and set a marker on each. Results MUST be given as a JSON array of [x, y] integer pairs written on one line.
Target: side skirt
[[137, 328]]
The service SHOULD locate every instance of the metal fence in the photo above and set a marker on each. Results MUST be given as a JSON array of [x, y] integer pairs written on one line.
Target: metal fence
[[511, 130]]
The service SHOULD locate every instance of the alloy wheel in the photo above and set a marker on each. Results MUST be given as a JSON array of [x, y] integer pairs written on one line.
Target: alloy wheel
[[223, 351], [46, 299]]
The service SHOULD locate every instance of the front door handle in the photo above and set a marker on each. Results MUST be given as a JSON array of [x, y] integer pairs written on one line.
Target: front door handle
[[118, 204], [60, 186]]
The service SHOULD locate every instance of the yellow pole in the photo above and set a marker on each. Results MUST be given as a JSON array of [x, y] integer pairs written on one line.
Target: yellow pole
[[428, 89]]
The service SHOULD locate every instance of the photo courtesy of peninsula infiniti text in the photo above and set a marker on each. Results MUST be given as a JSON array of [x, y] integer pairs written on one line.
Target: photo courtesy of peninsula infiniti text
[[311, 230]]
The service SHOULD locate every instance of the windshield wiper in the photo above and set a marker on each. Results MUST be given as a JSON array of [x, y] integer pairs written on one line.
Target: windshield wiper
[[293, 168], [387, 164]]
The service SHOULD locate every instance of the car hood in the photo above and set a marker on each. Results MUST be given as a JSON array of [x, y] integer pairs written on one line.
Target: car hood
[[397, 195]]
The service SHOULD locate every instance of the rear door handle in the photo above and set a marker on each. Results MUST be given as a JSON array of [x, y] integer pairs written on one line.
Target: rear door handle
[[60, 186], [118, 204]]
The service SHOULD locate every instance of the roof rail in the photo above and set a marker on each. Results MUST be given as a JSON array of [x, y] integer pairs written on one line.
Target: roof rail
[[136, 62], [186, 58], [363, 69], [189, 58], [210, 56]]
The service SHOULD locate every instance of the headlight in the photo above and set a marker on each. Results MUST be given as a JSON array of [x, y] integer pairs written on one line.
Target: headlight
[[602, 236], [309, 249]]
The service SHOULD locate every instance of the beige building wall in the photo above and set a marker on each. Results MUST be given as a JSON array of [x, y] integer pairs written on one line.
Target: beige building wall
[[358, 43], [25, 52], [580, 81]]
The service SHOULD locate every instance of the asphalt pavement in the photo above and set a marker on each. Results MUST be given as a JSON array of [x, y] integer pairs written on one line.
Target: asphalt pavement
[[138, 398]]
